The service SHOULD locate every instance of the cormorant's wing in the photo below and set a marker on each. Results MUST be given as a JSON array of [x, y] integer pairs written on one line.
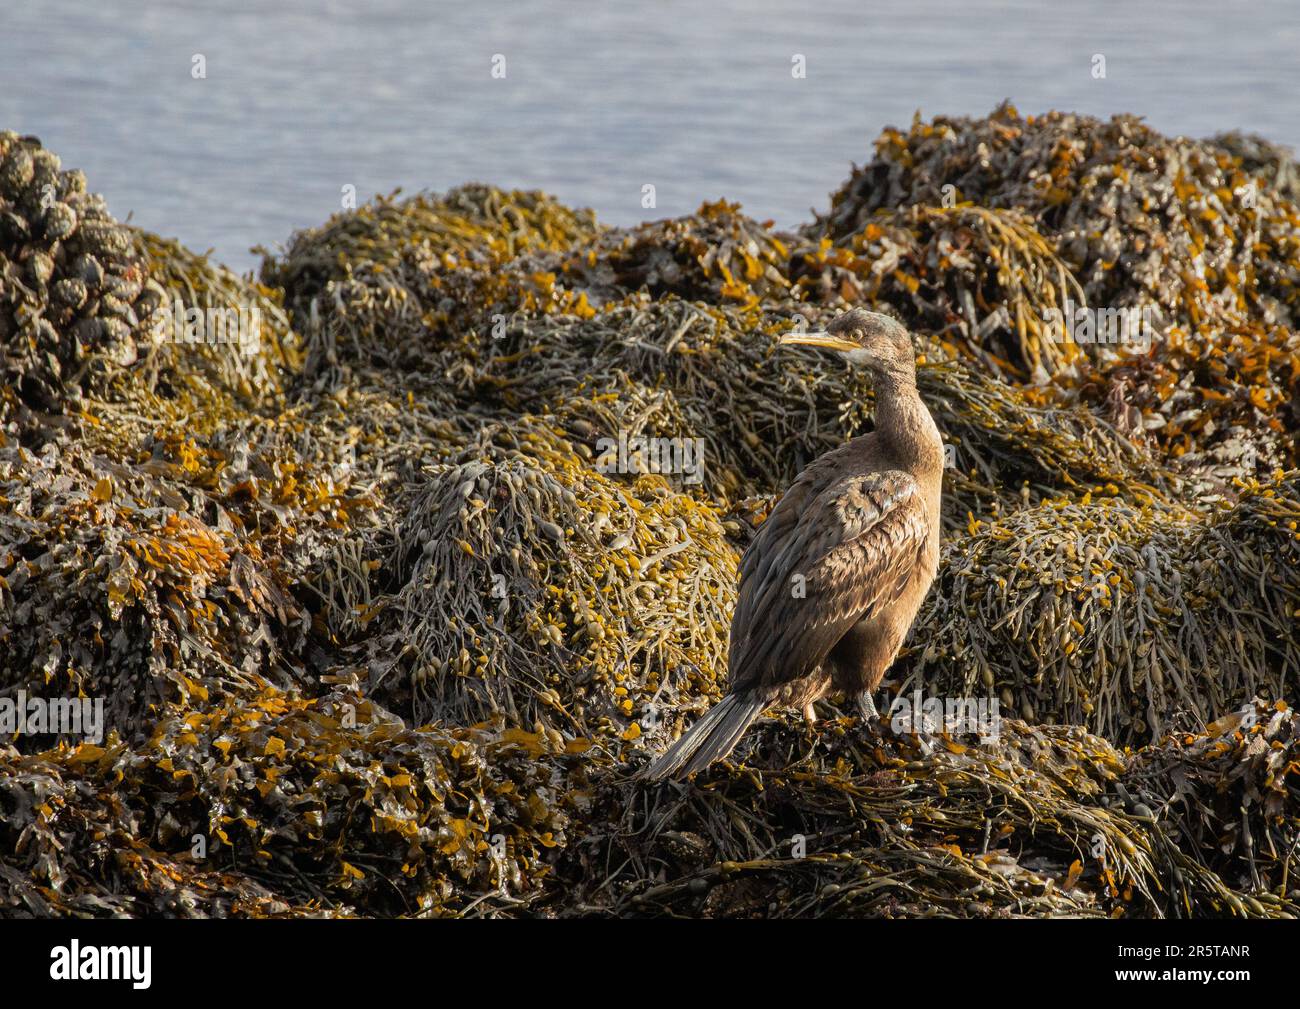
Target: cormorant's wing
[[854, 539], [777, 530]]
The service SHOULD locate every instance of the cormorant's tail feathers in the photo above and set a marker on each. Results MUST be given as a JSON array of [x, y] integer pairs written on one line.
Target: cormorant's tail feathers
[[711, 738]]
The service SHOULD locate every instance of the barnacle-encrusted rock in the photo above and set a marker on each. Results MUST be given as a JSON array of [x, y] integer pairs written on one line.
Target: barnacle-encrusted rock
[[1272, 162], [57, 335]]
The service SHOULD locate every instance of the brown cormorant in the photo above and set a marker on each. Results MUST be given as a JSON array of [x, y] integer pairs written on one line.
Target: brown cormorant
[[832, 582]]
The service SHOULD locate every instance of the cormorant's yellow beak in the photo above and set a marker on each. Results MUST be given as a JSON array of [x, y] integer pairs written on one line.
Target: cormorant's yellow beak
[[820, 339]]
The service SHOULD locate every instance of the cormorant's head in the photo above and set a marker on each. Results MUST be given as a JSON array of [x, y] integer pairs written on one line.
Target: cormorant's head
[[865, 338]]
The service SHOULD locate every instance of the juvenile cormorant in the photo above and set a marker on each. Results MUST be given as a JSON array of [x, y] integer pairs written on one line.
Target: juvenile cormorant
[[832, 582]]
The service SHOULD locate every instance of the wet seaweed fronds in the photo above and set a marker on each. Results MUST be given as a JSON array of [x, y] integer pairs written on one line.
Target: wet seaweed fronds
[[238, 339], [717, 255], [528, 584], [113, 585], [1127, 620], [363, 286], [469, 221], [279, 805], [1008, 450], [1141, 219], [691, 370], [1219, 403], [1231, 793], [1181, 270], [842, 821], [715, 371], [983, 283], [412, 275]]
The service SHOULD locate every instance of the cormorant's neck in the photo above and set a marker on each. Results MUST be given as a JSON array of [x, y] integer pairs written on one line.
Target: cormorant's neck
[[904, 424]]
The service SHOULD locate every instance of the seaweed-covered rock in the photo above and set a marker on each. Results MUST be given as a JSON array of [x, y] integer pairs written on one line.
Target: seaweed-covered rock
[[984, 282], [278, 805], [113, 585], [690, 370], [1140, 219], [1041, 822], [716, 255], [281, 806], [390, 596], [214, 336], [535, 587], [993, 233], [1123, 619], [365, 286]]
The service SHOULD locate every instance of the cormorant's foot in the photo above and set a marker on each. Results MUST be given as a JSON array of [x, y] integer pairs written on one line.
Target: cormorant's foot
[[867, 707]]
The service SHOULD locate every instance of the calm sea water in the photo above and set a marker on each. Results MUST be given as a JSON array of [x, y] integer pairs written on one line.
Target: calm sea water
[[302, 98]]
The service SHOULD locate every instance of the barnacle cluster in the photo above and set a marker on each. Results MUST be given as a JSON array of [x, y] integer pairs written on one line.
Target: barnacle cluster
[[388, 599], [72, 286]]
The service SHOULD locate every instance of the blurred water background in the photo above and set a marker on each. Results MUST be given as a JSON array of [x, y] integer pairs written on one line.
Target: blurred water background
[[302, 98]]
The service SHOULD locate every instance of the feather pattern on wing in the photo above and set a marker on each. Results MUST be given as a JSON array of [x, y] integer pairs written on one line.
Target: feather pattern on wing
[[855, 539]]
